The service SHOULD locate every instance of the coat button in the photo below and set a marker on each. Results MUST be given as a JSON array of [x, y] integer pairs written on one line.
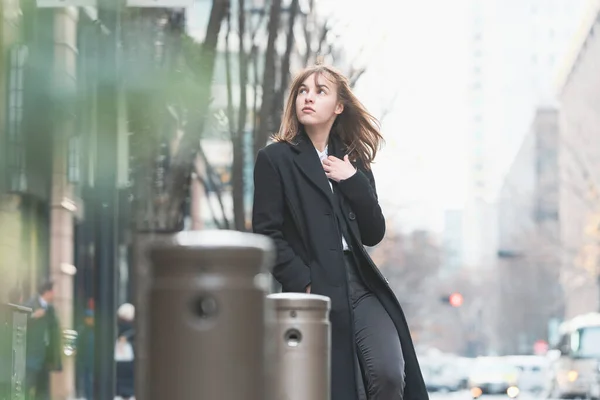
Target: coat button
[[351, 216]]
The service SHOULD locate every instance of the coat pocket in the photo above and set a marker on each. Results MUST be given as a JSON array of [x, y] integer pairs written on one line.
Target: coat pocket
[[328, 274]]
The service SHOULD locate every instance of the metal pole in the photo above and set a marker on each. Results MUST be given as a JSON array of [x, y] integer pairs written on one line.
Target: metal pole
[[301, 334], [207, 321], [105, 203]]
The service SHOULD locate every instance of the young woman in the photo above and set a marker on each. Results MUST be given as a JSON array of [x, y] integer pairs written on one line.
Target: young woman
[[315, 197]]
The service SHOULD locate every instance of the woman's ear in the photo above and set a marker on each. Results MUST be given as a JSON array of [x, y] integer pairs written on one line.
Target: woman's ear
[[339, 108]]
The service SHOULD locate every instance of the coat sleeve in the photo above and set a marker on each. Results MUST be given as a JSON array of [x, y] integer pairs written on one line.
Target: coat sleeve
[[267, 219], [361, 193]]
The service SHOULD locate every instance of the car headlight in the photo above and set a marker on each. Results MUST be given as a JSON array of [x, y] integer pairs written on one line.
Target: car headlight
[[476, 392], [513, 392]]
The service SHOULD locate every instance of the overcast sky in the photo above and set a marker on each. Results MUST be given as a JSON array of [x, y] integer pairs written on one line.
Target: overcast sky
[[417, 53]]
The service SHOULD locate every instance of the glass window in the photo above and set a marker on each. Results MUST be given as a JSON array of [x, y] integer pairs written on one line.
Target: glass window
[[585, 342], [16, 153]]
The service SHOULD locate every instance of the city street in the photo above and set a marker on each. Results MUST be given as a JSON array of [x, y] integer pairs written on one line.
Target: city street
[[168, 167]]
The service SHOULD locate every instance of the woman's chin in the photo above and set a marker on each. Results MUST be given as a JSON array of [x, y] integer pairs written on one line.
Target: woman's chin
[[309, 121]]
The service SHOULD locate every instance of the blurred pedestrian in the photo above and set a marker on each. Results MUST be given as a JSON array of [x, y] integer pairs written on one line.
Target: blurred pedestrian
[[43, 343], [124, 351], [315, 196]]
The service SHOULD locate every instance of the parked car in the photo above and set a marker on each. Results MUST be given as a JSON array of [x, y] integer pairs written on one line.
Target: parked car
[[494, 375]]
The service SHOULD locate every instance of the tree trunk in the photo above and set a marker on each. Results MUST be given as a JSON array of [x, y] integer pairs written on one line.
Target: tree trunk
[[237, 173], [285, 65], [265, 124], [230, 112], [255, 86], [308, 33], [184, 152]]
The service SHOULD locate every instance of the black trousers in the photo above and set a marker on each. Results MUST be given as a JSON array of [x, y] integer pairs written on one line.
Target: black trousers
[[380, 360]]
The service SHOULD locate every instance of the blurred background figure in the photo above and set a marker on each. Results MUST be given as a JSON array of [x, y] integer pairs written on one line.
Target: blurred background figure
[[43, 343], [124, 355]]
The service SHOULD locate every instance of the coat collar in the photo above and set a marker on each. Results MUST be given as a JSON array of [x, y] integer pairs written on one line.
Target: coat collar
[[308, 161], [335, 147]]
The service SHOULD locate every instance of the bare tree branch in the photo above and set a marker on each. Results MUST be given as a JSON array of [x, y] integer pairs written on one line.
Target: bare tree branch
[[211, 181], [322, 39], [388, 108], [355, 75], [207, 192], [254, 30]]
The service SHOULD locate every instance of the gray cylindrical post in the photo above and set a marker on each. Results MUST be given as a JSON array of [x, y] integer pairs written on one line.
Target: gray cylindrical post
[[301, 333], [207, 316]]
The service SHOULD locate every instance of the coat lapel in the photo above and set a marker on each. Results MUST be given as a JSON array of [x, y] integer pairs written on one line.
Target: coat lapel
[[336, 147], [309, 164]]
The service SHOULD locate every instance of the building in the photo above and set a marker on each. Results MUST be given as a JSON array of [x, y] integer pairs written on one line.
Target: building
[[579, 163], [529, 193], [47, 159], [516, 46], [452, 238], [38, 202], [516, 51], [528, 265]]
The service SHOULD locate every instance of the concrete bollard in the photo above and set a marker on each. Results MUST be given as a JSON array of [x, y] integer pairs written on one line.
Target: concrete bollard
[[301, 335], [207, 316]]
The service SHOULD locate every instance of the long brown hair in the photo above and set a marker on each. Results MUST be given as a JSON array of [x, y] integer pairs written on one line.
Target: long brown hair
[[356, 127]]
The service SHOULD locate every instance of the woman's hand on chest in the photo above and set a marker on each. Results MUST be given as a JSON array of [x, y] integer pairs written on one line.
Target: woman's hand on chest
[[338, 170]]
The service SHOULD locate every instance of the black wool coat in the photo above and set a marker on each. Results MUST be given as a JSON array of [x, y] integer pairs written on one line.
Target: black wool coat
[[293, 205]]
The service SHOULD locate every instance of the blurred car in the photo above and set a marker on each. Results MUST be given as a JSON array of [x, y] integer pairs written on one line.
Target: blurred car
[[575, 361], [440, 374], [532, 372], [463, 367], [494, 375]]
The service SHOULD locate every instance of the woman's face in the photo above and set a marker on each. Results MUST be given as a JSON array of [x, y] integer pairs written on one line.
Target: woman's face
[[317, 101]]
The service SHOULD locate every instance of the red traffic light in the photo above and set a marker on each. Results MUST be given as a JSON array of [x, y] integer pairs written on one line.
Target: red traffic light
[[455, 299]]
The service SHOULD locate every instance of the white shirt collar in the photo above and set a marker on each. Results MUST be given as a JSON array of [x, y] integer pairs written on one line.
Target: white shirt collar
[[322, 154], [43, 302]]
